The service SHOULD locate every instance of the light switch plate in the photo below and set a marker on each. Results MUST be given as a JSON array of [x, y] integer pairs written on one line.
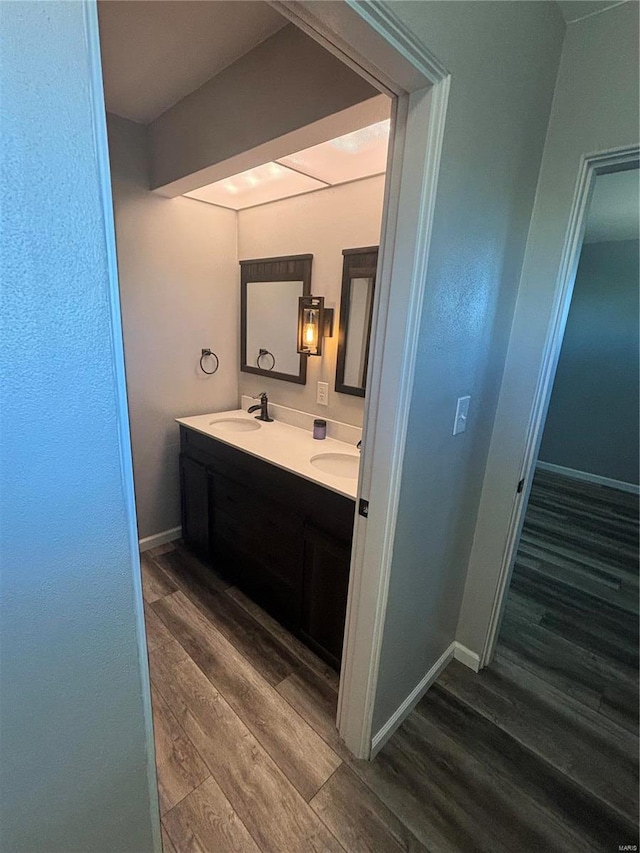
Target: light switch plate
[[462, 412], [322, 395]]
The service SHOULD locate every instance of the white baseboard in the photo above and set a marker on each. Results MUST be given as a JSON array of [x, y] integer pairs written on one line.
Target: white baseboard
[[466, 656], [398, 717], [590, 478], [160, 538]]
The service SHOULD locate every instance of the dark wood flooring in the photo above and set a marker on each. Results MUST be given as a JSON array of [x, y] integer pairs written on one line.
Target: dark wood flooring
[[249, 758], [572, 609]]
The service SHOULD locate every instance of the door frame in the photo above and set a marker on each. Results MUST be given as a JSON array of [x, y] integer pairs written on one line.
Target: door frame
[[591, 166], [376, 44]]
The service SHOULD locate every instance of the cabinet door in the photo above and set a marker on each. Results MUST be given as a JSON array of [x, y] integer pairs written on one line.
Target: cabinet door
[[324, 598], [257, 544], [194, 506]]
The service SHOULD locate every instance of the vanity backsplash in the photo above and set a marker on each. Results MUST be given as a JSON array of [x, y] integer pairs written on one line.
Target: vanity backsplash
[[303, 420]]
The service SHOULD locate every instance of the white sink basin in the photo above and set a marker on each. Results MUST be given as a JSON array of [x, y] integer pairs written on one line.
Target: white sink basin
[[338, 464], [234, 425]]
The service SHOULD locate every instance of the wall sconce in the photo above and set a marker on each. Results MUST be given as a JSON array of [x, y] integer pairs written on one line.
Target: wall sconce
[[315, 322]]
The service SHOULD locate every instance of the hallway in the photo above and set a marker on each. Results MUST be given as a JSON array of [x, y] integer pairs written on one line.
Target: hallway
[[249, 759]]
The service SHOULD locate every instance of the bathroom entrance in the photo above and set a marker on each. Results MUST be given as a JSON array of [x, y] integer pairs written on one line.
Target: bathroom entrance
[[570, 615], [247, 297], [248, 287], [158, 157]]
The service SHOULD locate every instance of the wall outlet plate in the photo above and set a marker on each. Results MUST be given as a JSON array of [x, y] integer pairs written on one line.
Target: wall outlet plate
[[322, 395]]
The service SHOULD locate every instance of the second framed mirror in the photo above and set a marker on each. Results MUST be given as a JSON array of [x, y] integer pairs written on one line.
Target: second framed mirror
[[356, 313]]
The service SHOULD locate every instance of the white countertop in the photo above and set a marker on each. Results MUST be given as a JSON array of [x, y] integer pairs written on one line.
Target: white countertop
[[281, 444]]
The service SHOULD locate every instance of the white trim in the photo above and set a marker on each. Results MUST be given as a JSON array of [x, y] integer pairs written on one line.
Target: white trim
[[160, 538], [590, 166], [597, 12], [574, 474], [392, 366], [401, 713], [466, 656], [373, 41]]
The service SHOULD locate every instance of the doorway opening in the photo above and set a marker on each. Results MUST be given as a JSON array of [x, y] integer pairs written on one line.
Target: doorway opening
[[571, 613], [220, 234], [401, 264], [414, 77]]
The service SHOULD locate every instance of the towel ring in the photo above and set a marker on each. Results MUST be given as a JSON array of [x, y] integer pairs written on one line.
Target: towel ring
[[205, 354], [262, 352]]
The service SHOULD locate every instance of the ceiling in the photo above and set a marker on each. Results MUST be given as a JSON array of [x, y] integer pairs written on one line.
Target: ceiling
[[155, 53], [614, 212], [574, 10], [356, 155]]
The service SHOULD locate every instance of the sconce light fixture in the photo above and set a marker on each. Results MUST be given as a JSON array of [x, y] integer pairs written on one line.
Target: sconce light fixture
[[315, 322]]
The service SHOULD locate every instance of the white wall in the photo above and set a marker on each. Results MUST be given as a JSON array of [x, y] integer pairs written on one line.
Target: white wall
[[77, 767], [177, 265], [503, 60], [323, 224], [595, 109]]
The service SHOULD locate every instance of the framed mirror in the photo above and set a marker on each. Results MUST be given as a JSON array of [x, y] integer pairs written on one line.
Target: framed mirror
[[269, 292], [356, 313]]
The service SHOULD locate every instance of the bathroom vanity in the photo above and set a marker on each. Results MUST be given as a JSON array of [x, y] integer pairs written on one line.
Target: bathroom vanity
[[272, 510]]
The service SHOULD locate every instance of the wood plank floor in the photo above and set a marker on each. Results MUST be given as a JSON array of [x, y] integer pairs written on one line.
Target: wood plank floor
[[572, 608], [249, 758]]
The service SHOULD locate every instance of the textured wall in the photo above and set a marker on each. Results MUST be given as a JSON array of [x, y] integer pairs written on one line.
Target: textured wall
[[503, 60], [322, 223], [592, 424], [77, 768], [177, 266], [595, 109]]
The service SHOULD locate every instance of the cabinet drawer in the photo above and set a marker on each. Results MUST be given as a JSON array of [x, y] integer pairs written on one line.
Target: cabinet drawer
[[282, 557], [192, 441], [262, 515]]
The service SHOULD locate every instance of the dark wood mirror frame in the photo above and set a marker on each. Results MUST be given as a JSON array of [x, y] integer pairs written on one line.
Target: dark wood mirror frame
[[357, 263], [285, 268]]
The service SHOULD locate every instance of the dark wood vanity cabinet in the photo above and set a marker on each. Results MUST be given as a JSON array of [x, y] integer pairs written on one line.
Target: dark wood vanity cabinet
[[282, 539], [324, 592], [193, 491]]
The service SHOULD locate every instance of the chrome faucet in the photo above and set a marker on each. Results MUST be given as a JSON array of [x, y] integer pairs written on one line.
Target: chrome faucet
[[262, 405]]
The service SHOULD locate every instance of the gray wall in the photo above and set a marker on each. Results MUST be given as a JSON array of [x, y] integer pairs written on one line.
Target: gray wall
[[285, 83], [592, 424], [177, 266], [77, 766], [323, 223], [595, 109], [503, 58]]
